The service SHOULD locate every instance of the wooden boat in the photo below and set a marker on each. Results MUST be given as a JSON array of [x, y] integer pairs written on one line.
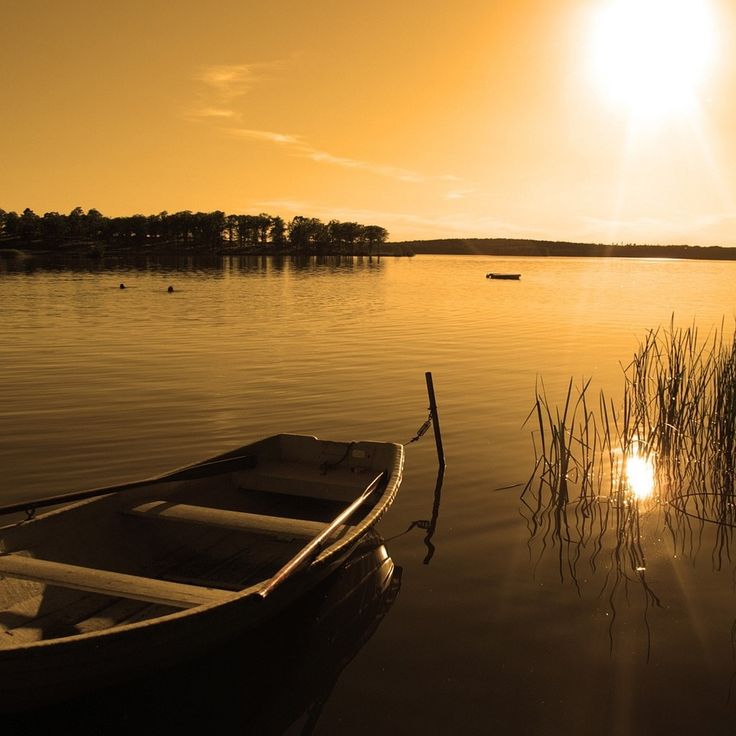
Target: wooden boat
[[148, 574], [510, 276]]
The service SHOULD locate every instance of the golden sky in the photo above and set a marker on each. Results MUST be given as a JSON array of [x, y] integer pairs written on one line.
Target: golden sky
[[589, 120]]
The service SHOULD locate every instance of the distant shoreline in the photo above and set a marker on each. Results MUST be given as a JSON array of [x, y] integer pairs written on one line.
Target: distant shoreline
[[448, 246], [99, 249], [550, 248]]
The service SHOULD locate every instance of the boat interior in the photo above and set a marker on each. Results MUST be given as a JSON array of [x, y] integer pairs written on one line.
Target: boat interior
[[194, 539]]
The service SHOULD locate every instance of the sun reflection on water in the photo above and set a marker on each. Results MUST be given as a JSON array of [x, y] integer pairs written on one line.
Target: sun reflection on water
[[640, 475]]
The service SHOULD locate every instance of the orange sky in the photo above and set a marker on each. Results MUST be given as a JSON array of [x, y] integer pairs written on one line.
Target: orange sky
[[469, 118]]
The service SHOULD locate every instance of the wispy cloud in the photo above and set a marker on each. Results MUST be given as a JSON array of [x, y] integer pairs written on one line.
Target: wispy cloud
[[215, 112], [282, 139], [222, 86], [234, 80], [351, 163], [300, 147], [459, 193]]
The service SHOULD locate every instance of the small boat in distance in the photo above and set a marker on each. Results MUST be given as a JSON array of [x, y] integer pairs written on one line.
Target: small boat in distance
[[509, 276], [145, 575]]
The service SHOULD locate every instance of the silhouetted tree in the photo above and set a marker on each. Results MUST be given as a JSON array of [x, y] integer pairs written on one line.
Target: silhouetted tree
[[75, 222], [11, 223], [249, 229], [182, 223], [208, 227], [345, 235], [54, 227], [374, 235], [307, 233], [231, 227], [94, 223], [29, 225], [138, 228], [278, 231], [263, 225]]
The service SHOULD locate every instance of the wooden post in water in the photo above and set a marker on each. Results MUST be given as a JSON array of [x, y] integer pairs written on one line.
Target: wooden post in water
[[435, 420]]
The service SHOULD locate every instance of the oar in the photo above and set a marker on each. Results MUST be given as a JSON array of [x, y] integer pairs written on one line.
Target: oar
[[314, 547], [189, 472]]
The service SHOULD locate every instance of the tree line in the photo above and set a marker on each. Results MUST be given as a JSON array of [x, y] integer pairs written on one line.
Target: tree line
[[525, 247], [214, 230]]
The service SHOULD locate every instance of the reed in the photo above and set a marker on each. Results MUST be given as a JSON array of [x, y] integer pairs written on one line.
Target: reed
[[676, 414]]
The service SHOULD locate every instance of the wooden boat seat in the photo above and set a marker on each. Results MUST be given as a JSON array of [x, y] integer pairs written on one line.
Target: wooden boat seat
[[304, 479], [105, 582], [235, 520]]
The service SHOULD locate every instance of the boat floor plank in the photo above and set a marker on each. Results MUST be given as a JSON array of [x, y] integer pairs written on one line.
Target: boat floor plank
[[119, 613], [122, 612], [55, 613], [235, 564]]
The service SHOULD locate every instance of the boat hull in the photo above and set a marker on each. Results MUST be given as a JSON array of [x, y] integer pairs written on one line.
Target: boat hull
[[74, 666], [264, 680]]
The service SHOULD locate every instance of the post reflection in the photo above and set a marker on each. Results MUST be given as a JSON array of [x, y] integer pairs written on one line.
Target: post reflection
[[429, 525], [432, 526]]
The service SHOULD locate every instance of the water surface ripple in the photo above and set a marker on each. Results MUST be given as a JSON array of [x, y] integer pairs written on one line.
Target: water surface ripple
[[101, 384]]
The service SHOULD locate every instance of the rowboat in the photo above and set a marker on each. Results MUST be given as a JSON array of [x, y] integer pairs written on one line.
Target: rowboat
[[142, 576], [510, 276]]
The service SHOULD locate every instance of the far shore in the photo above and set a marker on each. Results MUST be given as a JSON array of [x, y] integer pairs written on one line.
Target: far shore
[[470, 246], [547, 248], [93, 249]]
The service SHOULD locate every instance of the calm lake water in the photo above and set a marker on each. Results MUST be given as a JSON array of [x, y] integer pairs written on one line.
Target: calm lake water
[[493, 634]]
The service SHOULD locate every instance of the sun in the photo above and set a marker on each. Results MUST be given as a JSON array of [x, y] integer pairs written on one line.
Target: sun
[[650, 56]]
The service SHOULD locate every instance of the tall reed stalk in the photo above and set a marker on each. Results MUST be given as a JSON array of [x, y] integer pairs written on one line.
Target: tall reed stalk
[[677, 410]]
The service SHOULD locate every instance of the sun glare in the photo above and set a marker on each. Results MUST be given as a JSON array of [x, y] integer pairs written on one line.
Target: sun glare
[[650, 56], [640, 475]]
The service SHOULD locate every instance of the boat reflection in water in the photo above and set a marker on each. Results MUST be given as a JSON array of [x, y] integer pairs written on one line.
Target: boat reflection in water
[[277, 678]]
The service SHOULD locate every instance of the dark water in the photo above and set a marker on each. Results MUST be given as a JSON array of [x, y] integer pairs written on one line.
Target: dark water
[[497, 633]]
